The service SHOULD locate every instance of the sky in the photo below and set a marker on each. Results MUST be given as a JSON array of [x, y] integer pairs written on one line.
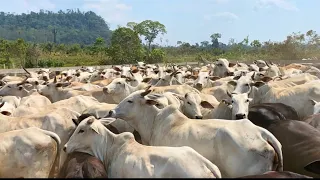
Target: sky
[[194, 21]]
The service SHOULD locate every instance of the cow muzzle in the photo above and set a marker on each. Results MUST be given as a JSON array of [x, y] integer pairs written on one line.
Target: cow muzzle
[[198, 85], [45, 78], [111, 113], [105, 90], [240, 116]]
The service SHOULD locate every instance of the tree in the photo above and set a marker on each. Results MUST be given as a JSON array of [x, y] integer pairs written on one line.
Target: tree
[[215, 40], [20, 48], [99, 47], [32, 56], [204, 44], [157, 55], [256, 44], [125, 46], [150, 30], [5, 51], [132, 25]]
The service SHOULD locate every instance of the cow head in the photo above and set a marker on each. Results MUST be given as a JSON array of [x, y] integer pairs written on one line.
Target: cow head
[[88, 134], [191, 105], [51, 88], [239, 105], [223, 68], [14, 89], [118, 88], [243, 84], [6, 108], [167, 79], [204, 79], [272, 70], [136, 105]]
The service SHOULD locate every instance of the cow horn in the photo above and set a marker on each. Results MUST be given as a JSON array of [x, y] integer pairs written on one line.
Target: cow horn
[[146, 92], [252, 77], [228, 93], [22, 82], [131, 73], [26, 70], [55, 79]]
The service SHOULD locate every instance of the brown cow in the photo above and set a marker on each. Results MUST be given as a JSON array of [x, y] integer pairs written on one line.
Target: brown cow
[[277, 174], [300, 141], [82, 165], [313, 120]]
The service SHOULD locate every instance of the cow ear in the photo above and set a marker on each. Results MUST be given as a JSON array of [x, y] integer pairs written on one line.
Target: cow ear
[[6, 113], [206, 104], [63, 84], [145, 80], [214, 78], [258, 84], [151, 102], [313, 167], [237, 77], [107, 121], [116, 68], [233, 83], [94, 128], [2, 104], [266, 79], [226, 102], [135, 71], [180, 97], [311, 100], [232, 64]]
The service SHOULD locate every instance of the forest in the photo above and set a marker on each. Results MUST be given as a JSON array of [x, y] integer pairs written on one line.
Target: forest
[[75, 38]]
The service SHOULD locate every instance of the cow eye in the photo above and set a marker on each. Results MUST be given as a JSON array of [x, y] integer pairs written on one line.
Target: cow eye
[[9, 86], [81, 131], [247, 100], [232, 101], [206, 77], [118, 82], [189, 103], [247, 84], [130, 101]]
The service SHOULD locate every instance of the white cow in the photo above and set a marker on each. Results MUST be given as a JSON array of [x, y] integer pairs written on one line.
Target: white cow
[[28, 153], [238, 148], [123, 157]]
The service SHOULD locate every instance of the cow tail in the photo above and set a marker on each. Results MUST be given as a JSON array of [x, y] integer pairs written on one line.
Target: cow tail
[[273, 141], [56, 163]]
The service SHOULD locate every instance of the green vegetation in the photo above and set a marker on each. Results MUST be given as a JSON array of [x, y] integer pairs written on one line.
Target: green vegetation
[[74, 38]]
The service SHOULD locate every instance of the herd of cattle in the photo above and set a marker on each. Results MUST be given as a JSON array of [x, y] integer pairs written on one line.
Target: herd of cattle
[[219, 120]]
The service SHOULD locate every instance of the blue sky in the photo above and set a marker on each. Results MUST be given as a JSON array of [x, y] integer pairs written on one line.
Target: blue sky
[[195, 20]]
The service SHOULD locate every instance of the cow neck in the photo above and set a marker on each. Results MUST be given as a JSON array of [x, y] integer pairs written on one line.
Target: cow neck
[[166, 119], [120, 144], [60, 93], [105, 145], [144, 122]]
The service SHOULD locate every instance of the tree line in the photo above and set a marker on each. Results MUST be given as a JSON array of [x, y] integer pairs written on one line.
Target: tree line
[[124, 45]]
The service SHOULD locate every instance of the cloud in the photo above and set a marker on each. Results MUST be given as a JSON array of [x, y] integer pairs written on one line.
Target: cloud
[[283, 4], [25, 6], [225, 15], [113, 11]]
